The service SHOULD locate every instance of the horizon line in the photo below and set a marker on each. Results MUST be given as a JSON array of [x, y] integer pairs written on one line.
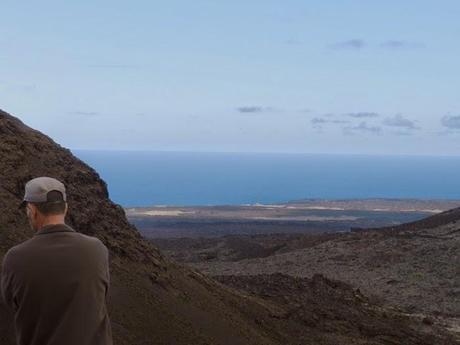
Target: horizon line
[[268, 152]]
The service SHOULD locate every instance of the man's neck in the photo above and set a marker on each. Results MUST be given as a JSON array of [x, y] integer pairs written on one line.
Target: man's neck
[[52, 221]]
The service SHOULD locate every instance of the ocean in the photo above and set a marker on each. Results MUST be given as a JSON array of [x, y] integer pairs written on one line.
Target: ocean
[[185, 179]]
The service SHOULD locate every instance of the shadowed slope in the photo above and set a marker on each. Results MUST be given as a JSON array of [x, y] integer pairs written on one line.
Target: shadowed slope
[[153, 301]]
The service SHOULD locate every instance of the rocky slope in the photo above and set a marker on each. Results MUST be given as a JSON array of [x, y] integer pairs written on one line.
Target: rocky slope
[[154, 300], [414, 267], [334, 309]]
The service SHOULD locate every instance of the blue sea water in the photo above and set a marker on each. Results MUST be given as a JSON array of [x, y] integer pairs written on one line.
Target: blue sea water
[[178, 178]]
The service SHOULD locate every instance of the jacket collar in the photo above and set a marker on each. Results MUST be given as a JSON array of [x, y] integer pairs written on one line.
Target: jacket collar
[[48, 229]]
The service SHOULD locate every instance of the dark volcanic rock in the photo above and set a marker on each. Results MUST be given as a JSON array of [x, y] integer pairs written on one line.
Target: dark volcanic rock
[[153, 301], [333, 307], [26, 154]]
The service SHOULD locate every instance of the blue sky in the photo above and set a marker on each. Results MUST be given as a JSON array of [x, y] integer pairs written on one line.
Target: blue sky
[[358, 77]]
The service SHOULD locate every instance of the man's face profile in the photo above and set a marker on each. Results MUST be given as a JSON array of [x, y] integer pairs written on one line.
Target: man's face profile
[[31, 216]]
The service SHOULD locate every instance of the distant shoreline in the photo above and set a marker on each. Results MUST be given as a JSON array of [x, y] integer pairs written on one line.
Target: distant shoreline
[[307, 216], [369, 204]]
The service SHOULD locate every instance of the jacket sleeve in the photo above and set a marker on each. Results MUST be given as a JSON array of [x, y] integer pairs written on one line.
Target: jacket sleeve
[[7, 281], [104, 270], [107, 273]]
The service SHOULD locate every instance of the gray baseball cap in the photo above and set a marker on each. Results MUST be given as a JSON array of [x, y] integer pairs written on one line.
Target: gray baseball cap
[[37, 190]]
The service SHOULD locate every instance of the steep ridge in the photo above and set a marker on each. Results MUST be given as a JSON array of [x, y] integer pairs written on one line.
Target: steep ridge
[[437, 220], [154, 300]]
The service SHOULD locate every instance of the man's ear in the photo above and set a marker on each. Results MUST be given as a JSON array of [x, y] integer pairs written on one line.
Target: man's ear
[[33, 210]]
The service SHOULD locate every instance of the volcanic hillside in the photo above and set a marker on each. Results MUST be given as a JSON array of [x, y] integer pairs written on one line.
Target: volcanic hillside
[[450, 217], [156, 301], [413, 266]]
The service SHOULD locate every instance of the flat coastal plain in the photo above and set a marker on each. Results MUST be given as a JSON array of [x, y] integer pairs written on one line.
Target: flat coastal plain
[[302, 216]]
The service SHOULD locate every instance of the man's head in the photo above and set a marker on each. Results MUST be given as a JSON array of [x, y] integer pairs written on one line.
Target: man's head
[[45, 200]]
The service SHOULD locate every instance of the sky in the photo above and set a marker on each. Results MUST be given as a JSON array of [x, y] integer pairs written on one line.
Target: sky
[[347, 77]]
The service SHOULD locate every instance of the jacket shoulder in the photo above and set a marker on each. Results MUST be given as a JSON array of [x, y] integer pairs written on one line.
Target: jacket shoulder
[[17, 249], [94, 241], [10, 259]]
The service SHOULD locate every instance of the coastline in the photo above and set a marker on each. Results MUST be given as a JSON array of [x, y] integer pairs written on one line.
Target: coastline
[[306, 216]]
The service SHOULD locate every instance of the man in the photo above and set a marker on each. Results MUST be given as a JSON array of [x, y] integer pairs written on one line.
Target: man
[[56, 283]]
